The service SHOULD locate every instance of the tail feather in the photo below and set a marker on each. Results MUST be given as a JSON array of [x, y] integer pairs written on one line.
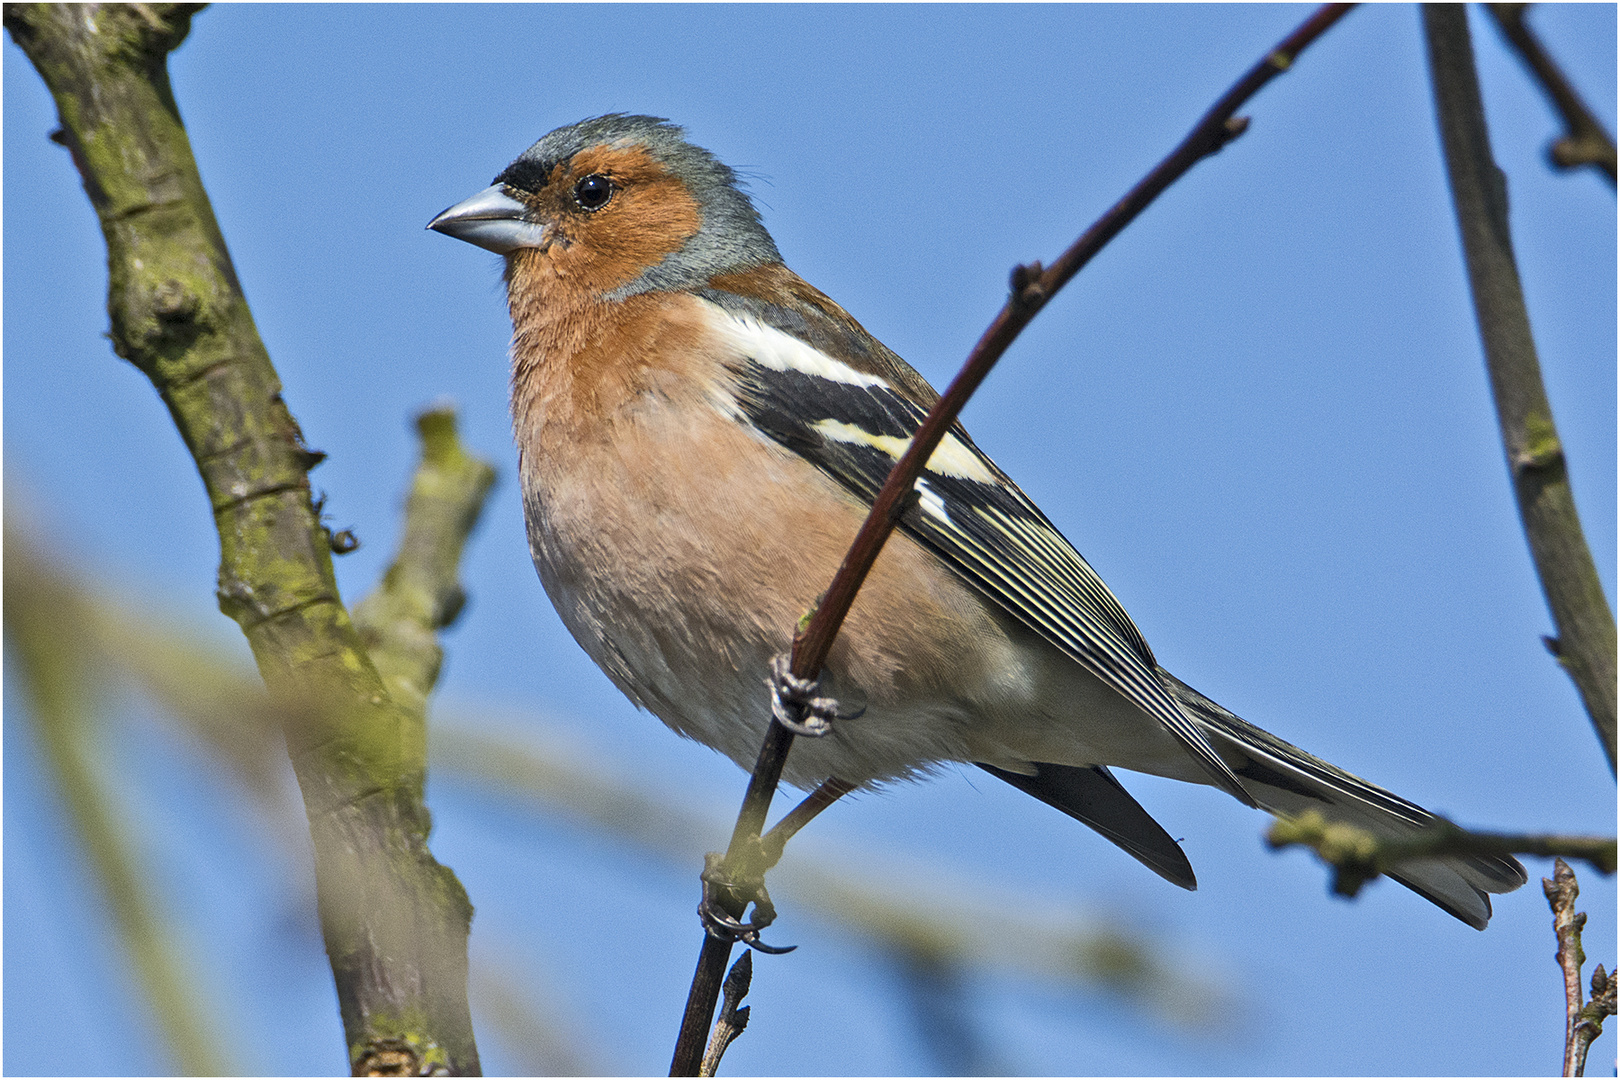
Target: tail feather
[[1093, 797], [1286, 780]]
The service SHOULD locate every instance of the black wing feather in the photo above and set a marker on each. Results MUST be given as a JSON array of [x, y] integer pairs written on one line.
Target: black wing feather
[[990, 534]]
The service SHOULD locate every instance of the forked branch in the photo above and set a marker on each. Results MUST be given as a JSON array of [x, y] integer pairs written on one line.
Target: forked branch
[[395, 921]]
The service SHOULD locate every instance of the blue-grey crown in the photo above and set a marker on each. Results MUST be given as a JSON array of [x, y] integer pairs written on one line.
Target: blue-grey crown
[[731, 238]]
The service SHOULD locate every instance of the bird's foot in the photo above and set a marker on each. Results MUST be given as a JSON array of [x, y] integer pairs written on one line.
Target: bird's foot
[[719, 922], [794, 703]]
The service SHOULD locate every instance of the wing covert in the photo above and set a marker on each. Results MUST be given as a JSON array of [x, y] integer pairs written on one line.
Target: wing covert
[[854, 425]]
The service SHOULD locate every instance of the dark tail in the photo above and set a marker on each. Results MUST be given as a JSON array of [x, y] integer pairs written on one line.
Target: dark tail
[[1093, 797], [1286, 780]]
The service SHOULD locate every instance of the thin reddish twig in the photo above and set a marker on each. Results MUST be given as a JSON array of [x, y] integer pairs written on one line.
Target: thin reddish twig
[[1032, 287], [1584, 141]]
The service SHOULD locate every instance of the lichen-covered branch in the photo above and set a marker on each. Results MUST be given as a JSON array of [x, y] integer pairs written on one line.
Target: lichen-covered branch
[[1584, 141], [1358, 856], [1583, 1020], [1585, 644], [395, 921]]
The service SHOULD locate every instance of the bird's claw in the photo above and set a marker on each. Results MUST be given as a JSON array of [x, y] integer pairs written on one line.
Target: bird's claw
[[720, 923], [794, 703]]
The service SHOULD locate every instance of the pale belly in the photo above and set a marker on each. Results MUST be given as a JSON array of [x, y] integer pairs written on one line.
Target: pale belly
[[682, 575]]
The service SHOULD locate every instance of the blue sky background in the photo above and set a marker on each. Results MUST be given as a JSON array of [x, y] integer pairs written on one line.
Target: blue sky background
[[1262, 414]]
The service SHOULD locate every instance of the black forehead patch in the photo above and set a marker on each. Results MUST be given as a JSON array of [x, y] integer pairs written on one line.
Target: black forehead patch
[[526, 174], [663, 140]]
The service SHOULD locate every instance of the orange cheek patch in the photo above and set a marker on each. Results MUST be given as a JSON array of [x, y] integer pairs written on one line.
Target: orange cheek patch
[[651, 216]]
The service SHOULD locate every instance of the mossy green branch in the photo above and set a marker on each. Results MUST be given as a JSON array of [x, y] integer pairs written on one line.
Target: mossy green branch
[[1357, 856], [395, 921]]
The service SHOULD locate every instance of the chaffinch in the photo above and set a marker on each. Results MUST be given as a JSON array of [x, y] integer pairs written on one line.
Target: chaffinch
[[700, 433]]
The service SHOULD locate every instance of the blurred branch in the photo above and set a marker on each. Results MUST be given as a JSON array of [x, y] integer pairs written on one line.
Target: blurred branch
[[395, 921], [935, 989], [1583, 1020], [48, 636], [420, 595], [543, 1042], [211, 695], [1584, 141], [200, 684], [900, 906], [1358, 856], [1585, 644], [903, 908], [1032, 286]]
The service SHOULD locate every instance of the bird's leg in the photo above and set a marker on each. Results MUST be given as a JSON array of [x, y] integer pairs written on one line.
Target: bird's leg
[[827, 792], [732, 889], [727, 895], [733, 881]]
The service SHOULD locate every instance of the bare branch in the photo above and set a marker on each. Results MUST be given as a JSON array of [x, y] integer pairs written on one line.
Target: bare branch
[[1585, 644], [419, 594], [1583, 1022], [1358, 856], [733, 1014], [1584, 141], [1032, 288], [395, 921]]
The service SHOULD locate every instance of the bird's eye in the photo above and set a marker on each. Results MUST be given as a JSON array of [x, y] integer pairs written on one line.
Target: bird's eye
[[593, 192]]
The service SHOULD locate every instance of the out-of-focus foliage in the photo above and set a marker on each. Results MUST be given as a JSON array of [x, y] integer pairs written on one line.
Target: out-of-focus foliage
[[71, 639]]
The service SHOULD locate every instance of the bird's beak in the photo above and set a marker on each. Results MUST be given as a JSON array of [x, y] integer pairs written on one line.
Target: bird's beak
[[491, 219]]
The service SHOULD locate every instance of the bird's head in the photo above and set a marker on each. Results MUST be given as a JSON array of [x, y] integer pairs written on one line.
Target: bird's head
[[618, 205]]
